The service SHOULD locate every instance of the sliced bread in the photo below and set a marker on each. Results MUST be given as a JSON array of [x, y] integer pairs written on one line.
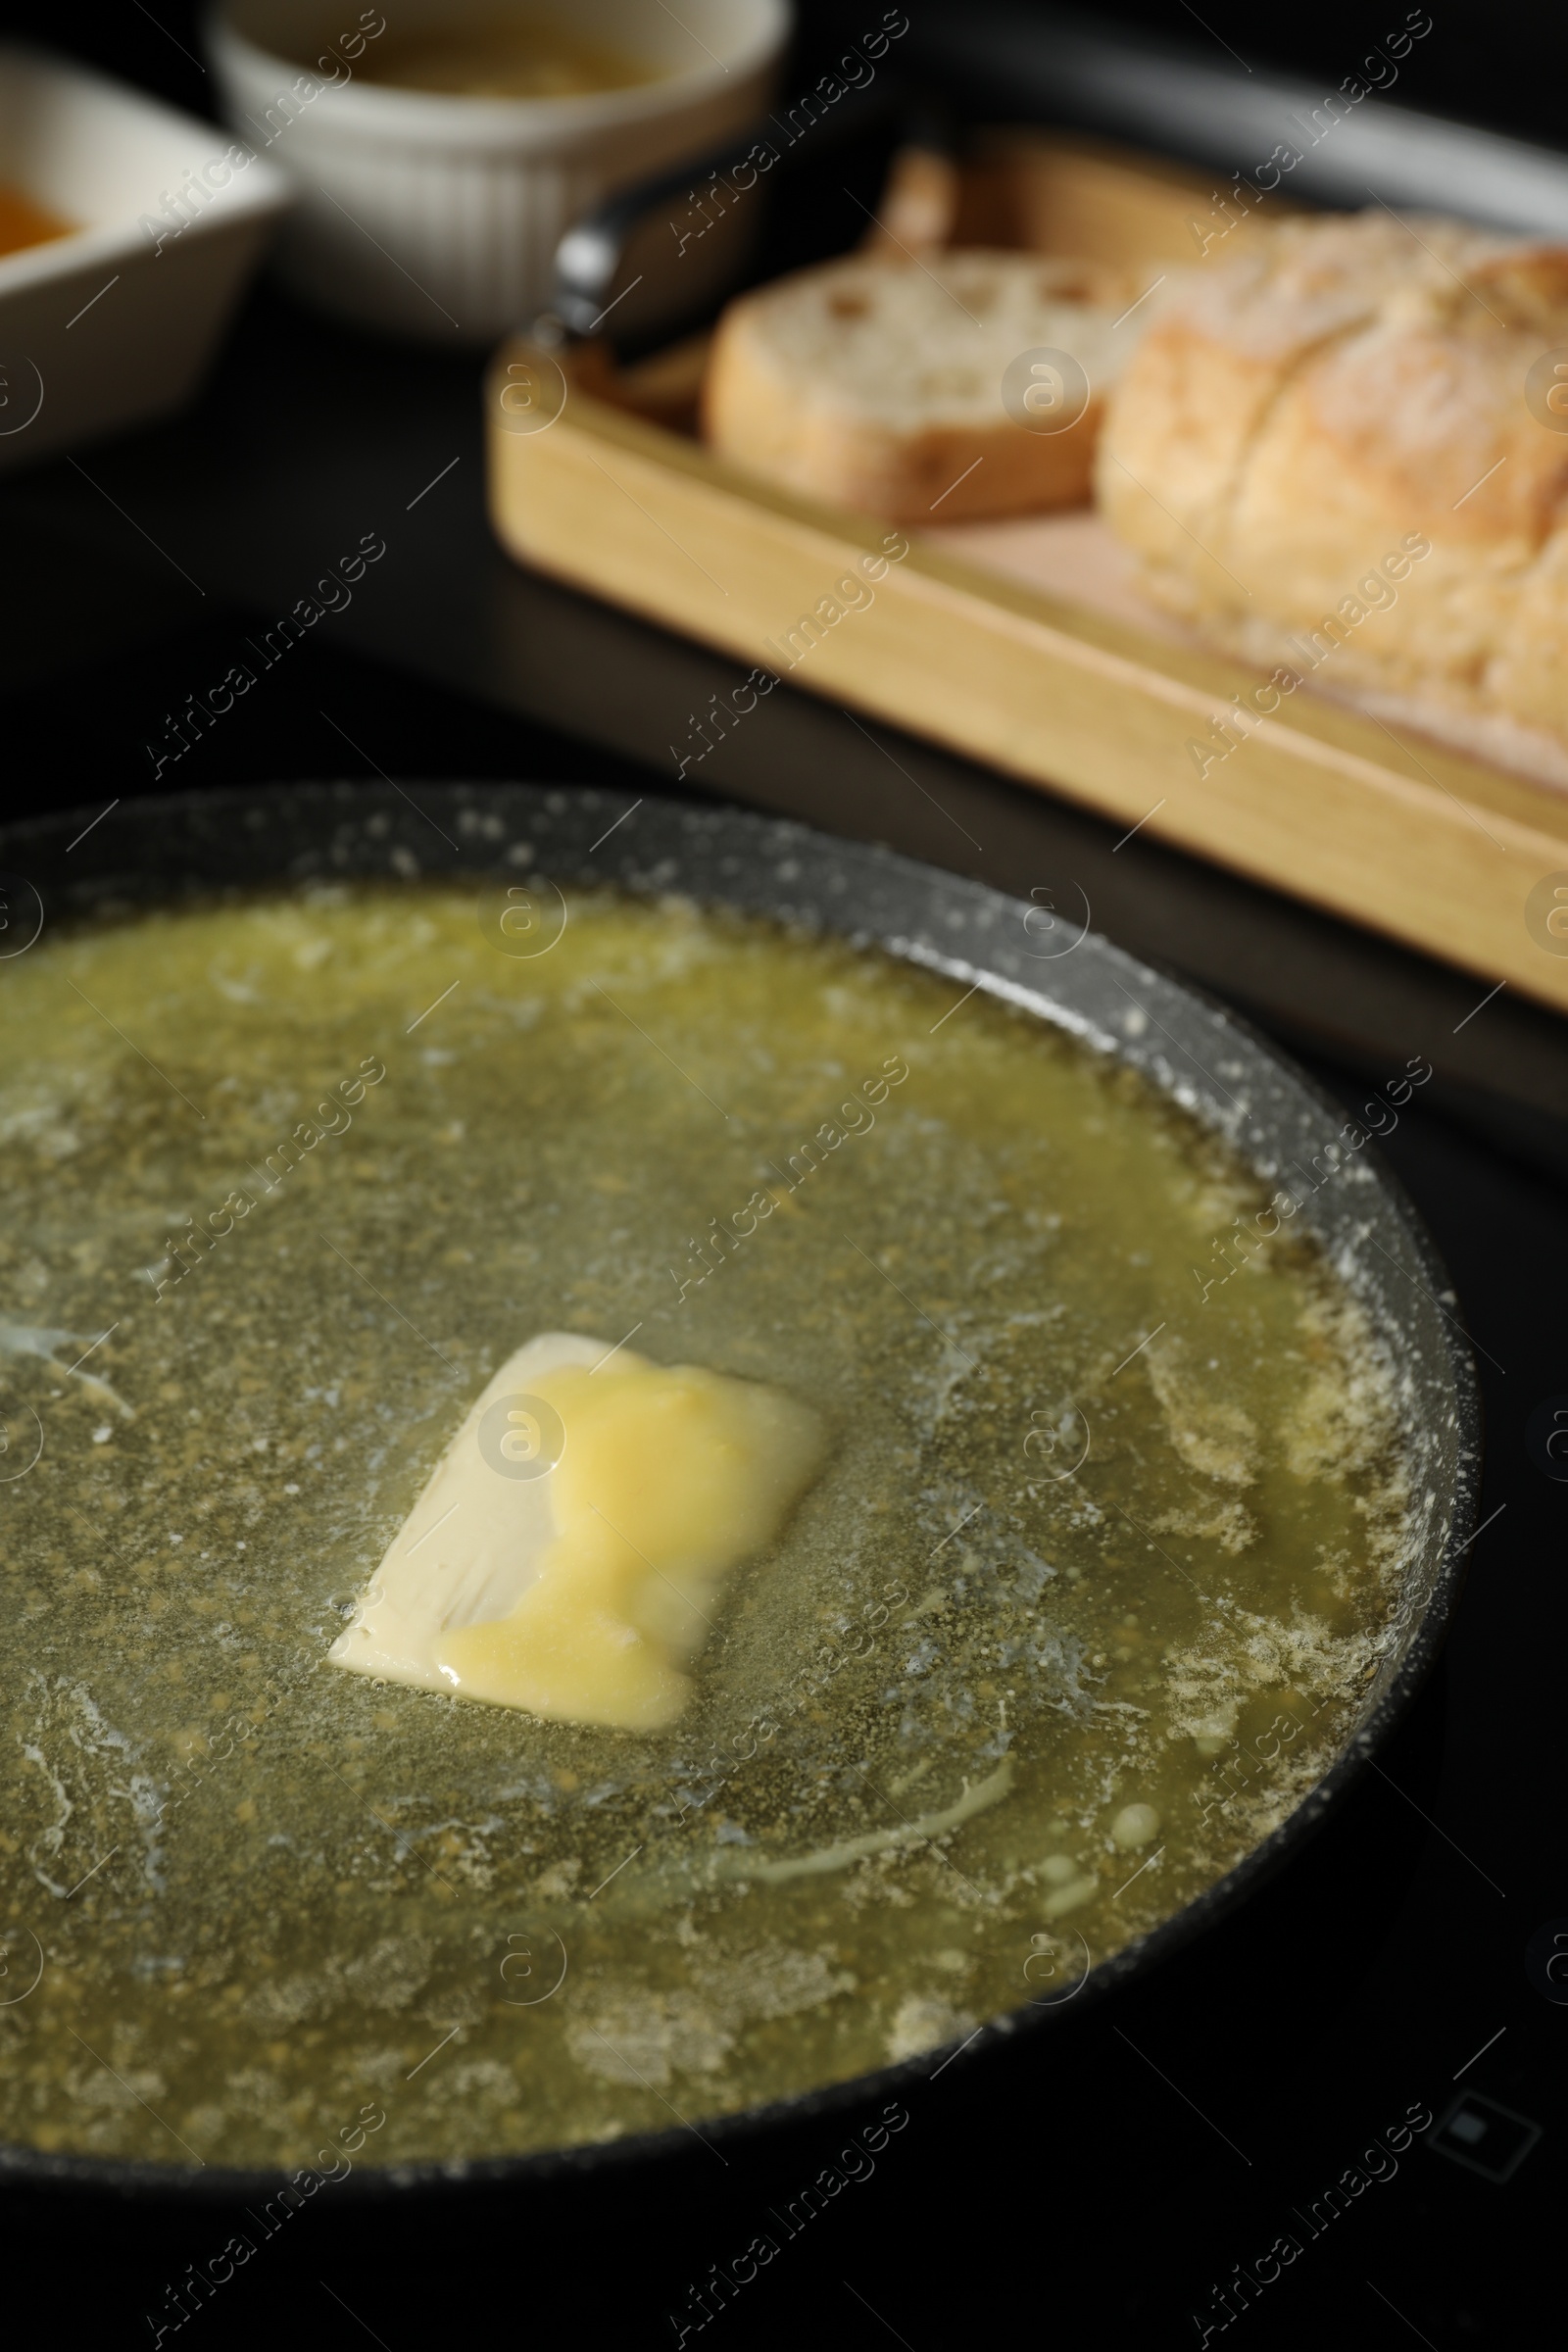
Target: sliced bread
[[879, 384]]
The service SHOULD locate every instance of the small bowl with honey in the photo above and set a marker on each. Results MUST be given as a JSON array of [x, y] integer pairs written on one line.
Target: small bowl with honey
[[441, 154], [127, 233]]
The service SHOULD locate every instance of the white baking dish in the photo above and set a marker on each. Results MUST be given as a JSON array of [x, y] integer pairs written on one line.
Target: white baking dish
[[114, 324], [438, 216]]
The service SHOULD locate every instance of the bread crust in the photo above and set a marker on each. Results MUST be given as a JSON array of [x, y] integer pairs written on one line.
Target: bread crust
[[1357, 391], [765, 406]]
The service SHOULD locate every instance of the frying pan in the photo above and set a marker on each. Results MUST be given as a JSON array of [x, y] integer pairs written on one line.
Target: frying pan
[[1041, 956]]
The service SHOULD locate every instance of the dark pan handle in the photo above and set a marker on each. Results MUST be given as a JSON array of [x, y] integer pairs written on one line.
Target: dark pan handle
[[657, 261]]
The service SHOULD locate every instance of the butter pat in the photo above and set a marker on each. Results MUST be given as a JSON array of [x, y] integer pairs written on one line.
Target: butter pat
[[567, 1555]]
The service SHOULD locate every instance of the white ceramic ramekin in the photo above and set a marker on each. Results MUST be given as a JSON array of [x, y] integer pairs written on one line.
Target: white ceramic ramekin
[[114, 324], [438, 216]]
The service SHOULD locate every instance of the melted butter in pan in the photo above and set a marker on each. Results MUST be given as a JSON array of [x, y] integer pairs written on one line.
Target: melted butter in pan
[[933, 1593]]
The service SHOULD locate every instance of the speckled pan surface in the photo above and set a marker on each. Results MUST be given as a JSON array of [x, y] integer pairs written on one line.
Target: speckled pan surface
[[1041, 957]]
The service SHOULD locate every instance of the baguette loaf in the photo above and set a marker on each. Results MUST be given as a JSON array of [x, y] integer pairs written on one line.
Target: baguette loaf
[[878, 384], [1353, 392]]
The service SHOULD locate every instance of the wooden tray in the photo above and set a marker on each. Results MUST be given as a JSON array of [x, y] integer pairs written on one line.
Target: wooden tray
[[1022, 644]]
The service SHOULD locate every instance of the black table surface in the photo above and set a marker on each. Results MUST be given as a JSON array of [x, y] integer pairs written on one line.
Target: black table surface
[[1112, 2173]]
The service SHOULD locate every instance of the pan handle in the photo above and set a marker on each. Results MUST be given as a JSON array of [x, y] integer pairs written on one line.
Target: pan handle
[[657, 261]]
